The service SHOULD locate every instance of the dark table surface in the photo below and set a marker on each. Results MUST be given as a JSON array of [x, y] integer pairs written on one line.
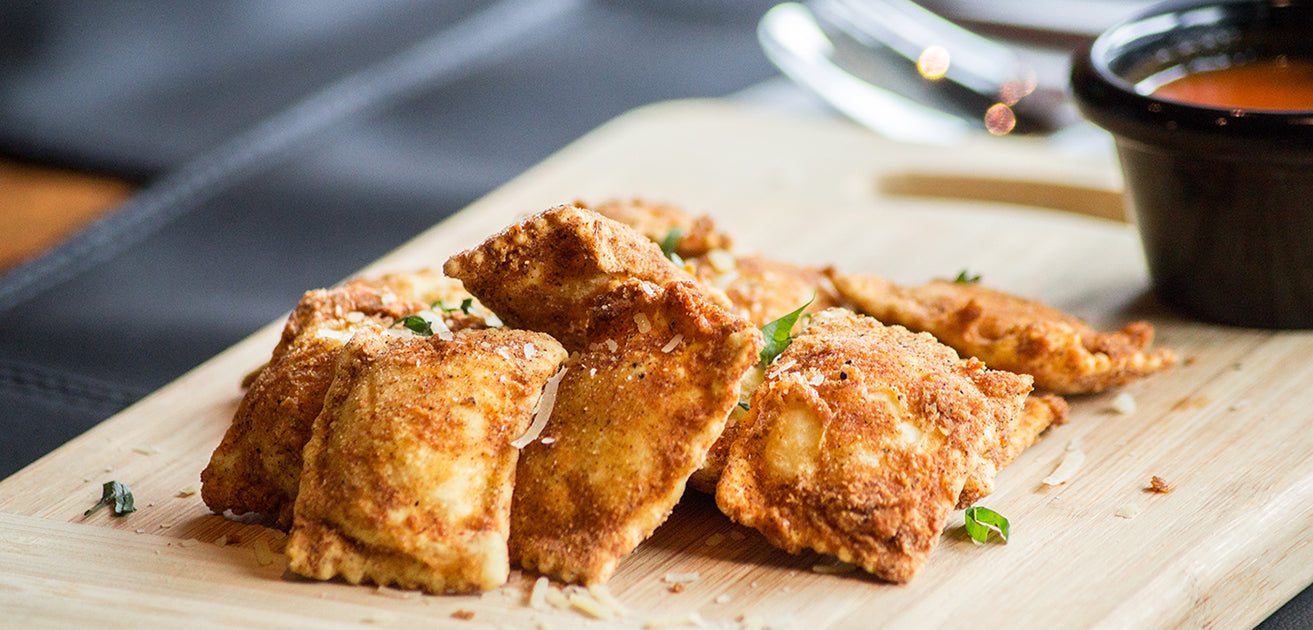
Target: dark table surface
[[282, 146]]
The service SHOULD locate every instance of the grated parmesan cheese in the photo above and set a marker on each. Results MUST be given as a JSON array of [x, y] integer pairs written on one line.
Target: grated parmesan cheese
[[643, 324], [529, 351], [681, 578], [1071, 462], [674, 343], [336, 335], [538, 596], [1123, 403], [1128, 511], [611, 345], [676, 621], [543, 412]]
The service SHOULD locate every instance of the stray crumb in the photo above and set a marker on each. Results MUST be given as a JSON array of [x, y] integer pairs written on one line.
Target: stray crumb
[[1190, 402], [188, 491], [263, 554], [1161, 486], [714, 539], [146, 450], [463, 615], [139, 530], [165, 525], [1239, 404], [188, 542], [722, 598], [396, 593], [1123, 403], [677, 587], [737, 535], [221, 541], [1128, 511]]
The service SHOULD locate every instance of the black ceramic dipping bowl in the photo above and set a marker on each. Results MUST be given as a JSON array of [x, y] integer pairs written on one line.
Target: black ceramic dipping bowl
[[1222, 198]]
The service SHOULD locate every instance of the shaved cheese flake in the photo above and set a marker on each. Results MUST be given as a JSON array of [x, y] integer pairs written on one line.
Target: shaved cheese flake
[[672, 344], [782, 366], [530, 351], [676, 621], [556, 598], [336, 335], [603, 595], [1128, 511], [1071, 462], [644, 325], [188, 490], [387, 298], [721, 260], [437, 323], [1123, 403], [538, 596], [681, 578], [611, 345], [544, 411], [816, 379]]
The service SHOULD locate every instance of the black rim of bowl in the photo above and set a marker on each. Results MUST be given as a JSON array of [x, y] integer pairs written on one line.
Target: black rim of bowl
[[1105, 74]]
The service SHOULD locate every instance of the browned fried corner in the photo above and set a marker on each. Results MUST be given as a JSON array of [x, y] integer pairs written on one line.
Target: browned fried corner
[[545, 272], [657, 221]]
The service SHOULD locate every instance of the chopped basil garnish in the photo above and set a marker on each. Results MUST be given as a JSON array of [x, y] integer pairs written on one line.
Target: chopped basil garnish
[[464, 307], [745, 406], [416, 324], [965, 278], [116, 495], [779, 335], [980, 521], [670, 243]]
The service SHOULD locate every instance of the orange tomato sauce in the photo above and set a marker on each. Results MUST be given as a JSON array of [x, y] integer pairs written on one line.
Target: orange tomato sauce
[[1274, 84]]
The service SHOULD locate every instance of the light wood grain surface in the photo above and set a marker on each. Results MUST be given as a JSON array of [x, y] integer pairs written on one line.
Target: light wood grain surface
[[1230, 427]]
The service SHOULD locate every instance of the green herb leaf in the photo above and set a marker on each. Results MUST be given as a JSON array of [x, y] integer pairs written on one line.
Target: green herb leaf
[[965, 278], [416, 324], [745, 406], [980, 521], [116, 495], [464, 307], [670, 243], [779, 334]]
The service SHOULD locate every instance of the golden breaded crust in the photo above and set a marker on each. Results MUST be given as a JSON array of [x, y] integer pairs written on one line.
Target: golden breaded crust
[[545, 272], [408, 472], [860, 440], [635, 414], [257, 466], [763, 290], [1039, 412], [656, 221], [1062, 352]]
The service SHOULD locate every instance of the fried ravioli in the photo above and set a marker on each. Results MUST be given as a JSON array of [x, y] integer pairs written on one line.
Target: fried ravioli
[[860, 441], [634, 416], [763, 290], [408, 472], [545, 272], [1062, 352], [658, 221], [257, 466]]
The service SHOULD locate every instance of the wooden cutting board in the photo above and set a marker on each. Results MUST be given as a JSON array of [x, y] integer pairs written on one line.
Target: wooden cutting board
[[1231, 427]]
